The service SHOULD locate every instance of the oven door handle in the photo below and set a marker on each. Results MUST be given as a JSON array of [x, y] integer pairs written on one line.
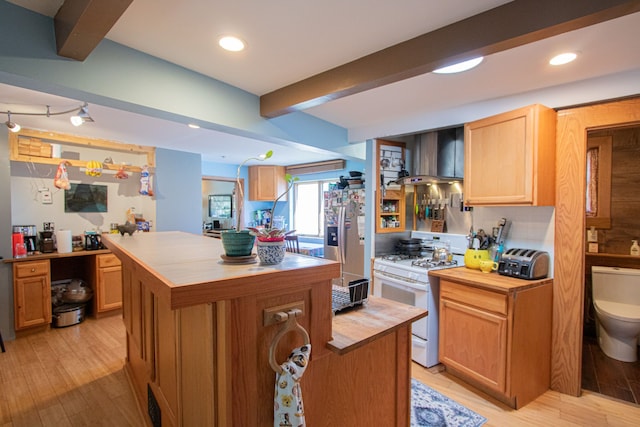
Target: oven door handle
[[399, 283]]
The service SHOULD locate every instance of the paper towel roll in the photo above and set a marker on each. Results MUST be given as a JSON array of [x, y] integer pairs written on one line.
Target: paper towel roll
[[63, 240]]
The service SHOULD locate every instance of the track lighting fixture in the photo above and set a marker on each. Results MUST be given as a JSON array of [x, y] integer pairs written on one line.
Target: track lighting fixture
[[82, 116], [13, 127]]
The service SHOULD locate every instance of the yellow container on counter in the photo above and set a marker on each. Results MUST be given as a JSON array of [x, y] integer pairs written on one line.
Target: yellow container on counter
[[472, 257]]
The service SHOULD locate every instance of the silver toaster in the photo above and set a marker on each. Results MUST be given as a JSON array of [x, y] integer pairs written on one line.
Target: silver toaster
[[527, 264]]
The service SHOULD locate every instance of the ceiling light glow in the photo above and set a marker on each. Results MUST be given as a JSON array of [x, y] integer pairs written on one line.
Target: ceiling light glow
[[231, 43], [563, 58], [460, 66]]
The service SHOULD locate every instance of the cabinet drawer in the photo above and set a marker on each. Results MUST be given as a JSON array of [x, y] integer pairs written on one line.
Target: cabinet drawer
[[108, 260], [30, 269], [475, 297]]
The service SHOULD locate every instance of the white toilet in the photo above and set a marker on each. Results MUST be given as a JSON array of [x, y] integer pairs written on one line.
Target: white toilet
[[616, 299]]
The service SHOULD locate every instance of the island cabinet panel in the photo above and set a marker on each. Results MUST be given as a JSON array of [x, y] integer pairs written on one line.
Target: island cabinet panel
[[495, 332], [510, 158]]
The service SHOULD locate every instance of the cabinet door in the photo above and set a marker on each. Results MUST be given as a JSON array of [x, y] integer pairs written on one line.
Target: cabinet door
[[266, 183], [474, 342], [109, 288], [499, 160], [510, 158], [32, 302]]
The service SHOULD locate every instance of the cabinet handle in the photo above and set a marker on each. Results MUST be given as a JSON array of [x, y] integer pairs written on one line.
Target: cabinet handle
[[33, 269]]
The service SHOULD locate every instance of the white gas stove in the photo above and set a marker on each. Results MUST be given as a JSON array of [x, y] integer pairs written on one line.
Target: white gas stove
[[406, 279]]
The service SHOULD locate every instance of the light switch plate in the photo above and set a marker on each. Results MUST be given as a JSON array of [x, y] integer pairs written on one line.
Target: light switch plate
[[46, 197]]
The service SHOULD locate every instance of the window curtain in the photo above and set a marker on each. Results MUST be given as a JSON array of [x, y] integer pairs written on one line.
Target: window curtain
[[592, 182]]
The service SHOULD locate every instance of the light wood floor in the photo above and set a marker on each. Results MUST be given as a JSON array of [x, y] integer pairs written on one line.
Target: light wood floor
[[69, 376], [74, 377], [549, 410]]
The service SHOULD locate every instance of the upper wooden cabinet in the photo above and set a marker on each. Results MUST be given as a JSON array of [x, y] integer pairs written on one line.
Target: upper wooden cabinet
[[510, 158], [266, 183]]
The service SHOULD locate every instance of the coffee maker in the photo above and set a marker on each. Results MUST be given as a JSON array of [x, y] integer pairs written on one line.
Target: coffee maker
[[46, 238], [30, 236]]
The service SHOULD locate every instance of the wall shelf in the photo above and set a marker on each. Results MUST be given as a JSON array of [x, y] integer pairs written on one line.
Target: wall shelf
[[38, 148]]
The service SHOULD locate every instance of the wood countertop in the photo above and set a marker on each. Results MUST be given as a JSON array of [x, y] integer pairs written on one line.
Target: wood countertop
[[491, 281], [378, 317], [189, 270], [53, 255]]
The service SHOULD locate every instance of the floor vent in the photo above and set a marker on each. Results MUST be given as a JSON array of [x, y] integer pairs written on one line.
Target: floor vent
[[154, 409]]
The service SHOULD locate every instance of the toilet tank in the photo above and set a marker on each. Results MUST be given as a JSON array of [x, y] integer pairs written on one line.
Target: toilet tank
[[616, 284]]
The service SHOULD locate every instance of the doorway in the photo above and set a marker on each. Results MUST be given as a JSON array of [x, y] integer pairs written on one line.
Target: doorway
[[569, 254], [219, 204], [613, 199]]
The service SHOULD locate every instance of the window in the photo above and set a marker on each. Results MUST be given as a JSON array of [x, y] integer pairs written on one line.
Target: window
[[598, 197], [308, 214]]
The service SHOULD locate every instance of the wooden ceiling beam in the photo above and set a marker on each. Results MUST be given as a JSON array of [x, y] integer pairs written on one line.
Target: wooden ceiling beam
[[504, 27], [81, 24]]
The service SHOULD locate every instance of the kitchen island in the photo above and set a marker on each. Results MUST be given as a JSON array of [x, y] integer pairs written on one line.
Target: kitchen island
[[199, 332]]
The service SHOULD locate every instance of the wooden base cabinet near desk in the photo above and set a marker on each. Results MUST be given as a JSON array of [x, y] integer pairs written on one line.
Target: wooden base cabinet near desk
[[32, 294], [107, 283], [32, 284], [495, 333]]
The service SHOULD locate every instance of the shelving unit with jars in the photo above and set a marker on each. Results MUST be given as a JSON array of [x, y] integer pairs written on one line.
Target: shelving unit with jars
[[390, 198]]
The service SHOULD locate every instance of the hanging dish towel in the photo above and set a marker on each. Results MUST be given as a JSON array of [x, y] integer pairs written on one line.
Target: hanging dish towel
[[288, 409]]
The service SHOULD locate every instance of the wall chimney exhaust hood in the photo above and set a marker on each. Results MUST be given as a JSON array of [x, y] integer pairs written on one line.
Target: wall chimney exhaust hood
[[437, 158]]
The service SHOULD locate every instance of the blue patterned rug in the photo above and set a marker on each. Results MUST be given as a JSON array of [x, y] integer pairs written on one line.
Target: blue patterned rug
[[431, 409]]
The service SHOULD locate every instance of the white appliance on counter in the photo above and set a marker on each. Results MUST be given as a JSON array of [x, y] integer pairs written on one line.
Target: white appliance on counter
[[405, 279]]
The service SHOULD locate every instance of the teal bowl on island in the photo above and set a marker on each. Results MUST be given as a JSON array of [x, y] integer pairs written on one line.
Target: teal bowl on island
[[237, 243]]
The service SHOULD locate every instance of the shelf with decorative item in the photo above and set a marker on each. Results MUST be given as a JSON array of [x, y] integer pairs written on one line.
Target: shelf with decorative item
[[42, 147]]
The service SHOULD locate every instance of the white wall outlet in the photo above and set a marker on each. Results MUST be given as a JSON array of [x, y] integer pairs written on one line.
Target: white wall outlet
[[46, 197]]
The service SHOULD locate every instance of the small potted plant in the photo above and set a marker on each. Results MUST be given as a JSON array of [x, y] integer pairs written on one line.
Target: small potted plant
[[239, 243], [271, 246]]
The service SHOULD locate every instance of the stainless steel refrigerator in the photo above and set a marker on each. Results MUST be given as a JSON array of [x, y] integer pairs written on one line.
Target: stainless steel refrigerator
[[344, 229]]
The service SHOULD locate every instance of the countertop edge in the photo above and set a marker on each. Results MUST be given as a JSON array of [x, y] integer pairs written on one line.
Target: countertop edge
[[389, 315], [491, 281], [54, 255]]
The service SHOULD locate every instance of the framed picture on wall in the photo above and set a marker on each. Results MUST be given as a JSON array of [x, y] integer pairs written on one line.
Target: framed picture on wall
[[85, 198], [220, 205]]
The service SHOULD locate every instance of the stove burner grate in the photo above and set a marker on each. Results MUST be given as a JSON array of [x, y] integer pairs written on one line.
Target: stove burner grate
[[428, 263]]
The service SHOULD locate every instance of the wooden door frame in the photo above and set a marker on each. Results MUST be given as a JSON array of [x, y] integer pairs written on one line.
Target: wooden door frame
[[568, 294], [239, 204]]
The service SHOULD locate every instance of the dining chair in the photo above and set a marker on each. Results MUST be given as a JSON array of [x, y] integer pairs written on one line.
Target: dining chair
[[292, 244]]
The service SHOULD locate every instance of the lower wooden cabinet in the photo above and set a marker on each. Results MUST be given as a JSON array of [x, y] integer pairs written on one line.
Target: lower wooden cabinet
[[475, 341], [497, 337], [32, 294], [108, 283]]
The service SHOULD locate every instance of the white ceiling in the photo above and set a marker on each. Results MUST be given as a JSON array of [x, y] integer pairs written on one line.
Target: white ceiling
[[290, 40]]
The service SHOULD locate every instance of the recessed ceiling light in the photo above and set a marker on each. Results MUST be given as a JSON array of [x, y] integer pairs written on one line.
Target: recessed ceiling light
[[231, 43], [460, 66], [563, 58], [193, 126]]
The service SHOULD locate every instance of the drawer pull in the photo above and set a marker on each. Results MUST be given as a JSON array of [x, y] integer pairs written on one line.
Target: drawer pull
[[33, 269]]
